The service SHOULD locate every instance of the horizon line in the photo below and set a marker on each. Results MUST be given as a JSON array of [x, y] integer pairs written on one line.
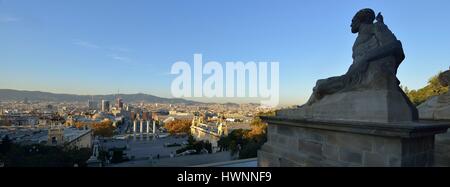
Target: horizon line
[[134, 94]]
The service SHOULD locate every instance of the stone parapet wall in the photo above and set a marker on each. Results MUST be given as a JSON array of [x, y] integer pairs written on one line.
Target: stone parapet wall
[[299, 144]]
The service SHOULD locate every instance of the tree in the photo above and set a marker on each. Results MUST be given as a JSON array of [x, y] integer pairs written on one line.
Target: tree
[[433, 88], [178, 126], [45, 156], [405, 89], [198, 146], [117, 156], [191, 139], [244, 142], [5, 146], [104, 128], [250, 149], [258, 127], [5, 123]]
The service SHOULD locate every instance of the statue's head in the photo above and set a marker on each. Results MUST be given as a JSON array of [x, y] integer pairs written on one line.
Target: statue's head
[[364, 16]]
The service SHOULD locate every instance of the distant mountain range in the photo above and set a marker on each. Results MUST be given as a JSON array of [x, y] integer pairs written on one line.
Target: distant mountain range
[[19, 95]]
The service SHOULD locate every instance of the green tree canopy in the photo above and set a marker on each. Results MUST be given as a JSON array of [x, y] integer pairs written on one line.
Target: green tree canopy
[[433, 88]]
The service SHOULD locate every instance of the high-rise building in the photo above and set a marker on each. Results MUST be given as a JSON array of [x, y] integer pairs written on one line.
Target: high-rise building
[[119, 103], [105, 105], [92, 105]]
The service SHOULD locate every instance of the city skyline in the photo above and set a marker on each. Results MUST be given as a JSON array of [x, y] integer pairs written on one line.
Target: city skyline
[[72, 47], [111, 97]]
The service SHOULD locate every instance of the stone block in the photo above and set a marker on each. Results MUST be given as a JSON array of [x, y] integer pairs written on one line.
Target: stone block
[[350, 156], [330, 152], [285, 130], [271, 137], [350, 145], [421, 160], [309, 147], [374, 160], [284, 162], [271, 128], [408, 161], [294, 155], [394, 161], [266, 159], [293, 143], [352, 141], [386, 145], [282, 140], [313, 136], [414, 146], [381, 106]]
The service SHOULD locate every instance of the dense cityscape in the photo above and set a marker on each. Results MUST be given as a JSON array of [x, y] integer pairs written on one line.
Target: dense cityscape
[[117, 133], [223, 92]]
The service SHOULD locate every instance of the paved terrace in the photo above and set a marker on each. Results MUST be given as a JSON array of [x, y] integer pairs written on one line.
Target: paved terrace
[[182, 161]]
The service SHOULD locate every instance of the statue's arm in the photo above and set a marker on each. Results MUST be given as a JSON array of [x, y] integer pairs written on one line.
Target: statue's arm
[[392, 48], [388, 44]]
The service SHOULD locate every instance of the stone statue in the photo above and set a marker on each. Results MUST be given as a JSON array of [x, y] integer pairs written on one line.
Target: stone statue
[[437, 107], [369, 90], [374, 42], [362, 118], [444, 78]]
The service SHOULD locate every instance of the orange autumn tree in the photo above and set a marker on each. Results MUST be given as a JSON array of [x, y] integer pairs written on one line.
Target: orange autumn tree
[[104, 128], [178, 126], [258, 128]]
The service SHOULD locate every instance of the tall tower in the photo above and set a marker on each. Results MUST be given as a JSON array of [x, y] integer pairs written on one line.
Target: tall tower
[[119, 103], [105, 106], [118, 100], [92, 105]]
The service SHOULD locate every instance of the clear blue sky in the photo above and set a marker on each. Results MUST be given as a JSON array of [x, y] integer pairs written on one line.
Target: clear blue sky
[[100, 46]]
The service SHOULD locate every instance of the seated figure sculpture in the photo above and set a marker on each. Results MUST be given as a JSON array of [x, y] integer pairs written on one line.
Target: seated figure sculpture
[[369, 91], [375, 41]]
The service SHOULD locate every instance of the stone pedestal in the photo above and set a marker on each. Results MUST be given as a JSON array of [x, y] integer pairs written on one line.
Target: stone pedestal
[[436, 108], [294, 143], [381, 106]]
